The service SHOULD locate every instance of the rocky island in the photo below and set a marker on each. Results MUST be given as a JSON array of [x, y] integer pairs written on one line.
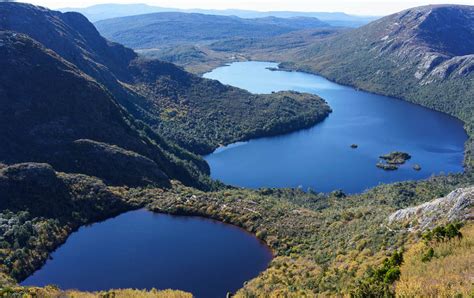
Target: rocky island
[[392, 160]]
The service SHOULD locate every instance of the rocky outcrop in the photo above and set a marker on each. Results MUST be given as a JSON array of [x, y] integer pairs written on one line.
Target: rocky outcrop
[[456, 206]]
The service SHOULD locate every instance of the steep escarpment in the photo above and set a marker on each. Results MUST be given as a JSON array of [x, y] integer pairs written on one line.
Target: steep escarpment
[[48, 106]]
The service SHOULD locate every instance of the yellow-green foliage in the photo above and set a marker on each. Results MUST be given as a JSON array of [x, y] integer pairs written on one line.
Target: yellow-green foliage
[[53, 292], [448, 274], [286, 277], [323, 244]]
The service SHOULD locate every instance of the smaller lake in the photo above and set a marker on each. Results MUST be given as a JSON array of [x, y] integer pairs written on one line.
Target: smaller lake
[[320, 157], [144, 250]]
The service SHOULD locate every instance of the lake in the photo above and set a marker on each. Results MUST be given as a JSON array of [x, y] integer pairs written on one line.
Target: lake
[[144, 250], [321, 158]]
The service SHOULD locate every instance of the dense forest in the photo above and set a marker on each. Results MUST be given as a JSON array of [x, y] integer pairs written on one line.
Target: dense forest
[[117, 132]]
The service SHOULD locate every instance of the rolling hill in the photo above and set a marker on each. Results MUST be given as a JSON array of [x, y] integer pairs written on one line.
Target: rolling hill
[[159, 29], [107, 11]]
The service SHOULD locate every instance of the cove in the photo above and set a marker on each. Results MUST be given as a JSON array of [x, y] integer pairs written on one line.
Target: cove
[[144, 250], [320, 158]]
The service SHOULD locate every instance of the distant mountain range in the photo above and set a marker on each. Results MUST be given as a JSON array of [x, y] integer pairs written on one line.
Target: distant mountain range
[[161, 29], [106, 11]]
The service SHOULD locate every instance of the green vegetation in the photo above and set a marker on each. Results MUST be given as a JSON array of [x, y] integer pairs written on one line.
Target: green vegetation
[[159, 29], [322, 243], [443, 233], [396, 158], [205, 123], [439, 268], [393, 160], [54, 292], [378, 282]]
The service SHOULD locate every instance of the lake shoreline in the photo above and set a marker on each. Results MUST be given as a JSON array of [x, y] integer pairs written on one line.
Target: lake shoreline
[[378, 105], [141, 214]]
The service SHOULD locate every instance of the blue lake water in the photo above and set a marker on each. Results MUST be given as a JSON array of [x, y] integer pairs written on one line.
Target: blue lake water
[[145, 250], [320, 158]]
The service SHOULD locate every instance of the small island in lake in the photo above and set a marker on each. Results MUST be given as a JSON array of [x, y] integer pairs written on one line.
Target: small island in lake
[[354, 146], [392, 160], [386, 166], [396, 157]]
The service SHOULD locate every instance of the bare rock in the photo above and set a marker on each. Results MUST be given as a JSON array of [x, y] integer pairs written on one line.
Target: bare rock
[[456, 206]]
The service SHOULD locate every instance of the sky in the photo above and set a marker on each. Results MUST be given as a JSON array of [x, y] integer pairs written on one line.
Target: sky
[[359, 7]]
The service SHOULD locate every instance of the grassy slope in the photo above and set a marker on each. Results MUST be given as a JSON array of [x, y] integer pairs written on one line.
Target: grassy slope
[[447, 274]]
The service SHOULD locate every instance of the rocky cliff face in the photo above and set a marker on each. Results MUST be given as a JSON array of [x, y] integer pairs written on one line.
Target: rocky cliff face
[[437, 39], [456, 206]]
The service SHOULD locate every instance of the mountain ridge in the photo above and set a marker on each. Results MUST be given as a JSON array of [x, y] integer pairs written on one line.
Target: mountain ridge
[[107, 11], [159, 29]]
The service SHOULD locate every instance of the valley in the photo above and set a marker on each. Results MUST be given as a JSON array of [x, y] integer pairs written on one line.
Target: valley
[[115, 150]]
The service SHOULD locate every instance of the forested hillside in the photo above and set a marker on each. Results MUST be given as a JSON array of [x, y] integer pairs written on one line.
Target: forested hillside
[[157, 30], [75, 124], [424, 55], [153, 91], [88, 130]]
